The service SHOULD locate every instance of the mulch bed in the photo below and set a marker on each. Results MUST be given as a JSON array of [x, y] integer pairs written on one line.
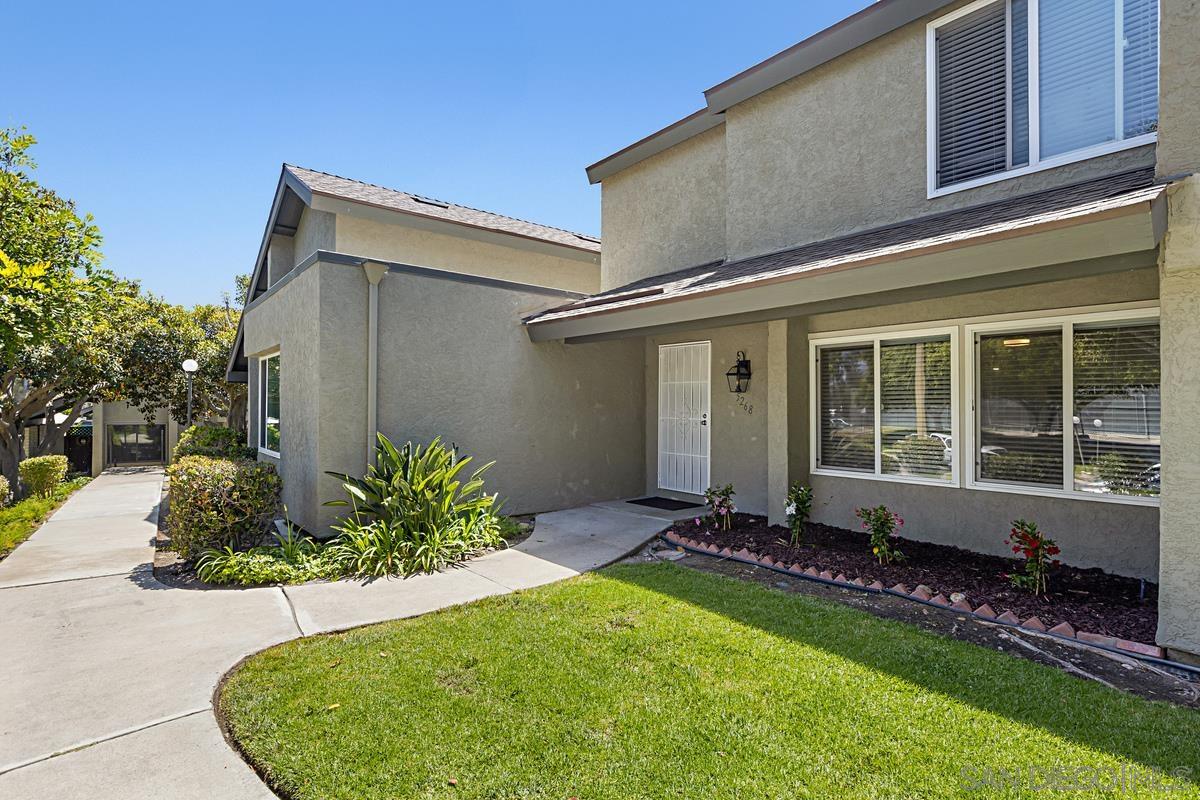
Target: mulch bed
[[1088, 599]]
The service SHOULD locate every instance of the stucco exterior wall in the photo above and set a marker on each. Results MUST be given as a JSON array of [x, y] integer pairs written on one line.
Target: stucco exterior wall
[[316, 230], [288, 320], [666, 212], [1179, 87], [1122, 539], [738, 432], [410, 245], [842, 148]]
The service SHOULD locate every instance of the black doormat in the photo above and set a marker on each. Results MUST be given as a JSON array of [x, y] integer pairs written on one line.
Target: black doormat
[[664, 503]]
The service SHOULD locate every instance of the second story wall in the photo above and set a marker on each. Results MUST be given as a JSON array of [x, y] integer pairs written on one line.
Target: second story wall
[[665, 213], [842, 148], [535, 263]]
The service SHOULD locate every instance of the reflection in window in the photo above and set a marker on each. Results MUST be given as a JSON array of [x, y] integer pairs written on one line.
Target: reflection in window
[[847, 407], [269, 403], [915, 417], [1117, 409], [1020, 408]]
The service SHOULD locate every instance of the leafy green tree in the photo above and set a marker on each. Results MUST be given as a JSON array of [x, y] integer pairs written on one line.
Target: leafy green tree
[[64, 320]]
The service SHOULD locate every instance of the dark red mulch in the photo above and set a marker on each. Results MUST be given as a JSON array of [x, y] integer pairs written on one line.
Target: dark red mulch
[[1089, 599]]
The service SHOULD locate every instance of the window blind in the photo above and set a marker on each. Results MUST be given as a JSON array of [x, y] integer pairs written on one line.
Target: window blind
[[1019, 84], [847, 407], [1117, 432], [1077, 71], [972, 96], [914, 393], [1140, 68], [1020, 408]]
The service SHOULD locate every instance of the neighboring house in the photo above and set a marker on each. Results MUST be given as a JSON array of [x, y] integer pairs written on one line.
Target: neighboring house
[[958, 245], [111, 434]]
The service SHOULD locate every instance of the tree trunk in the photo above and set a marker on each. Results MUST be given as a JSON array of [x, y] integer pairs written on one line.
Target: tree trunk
[[10, 457], [237, 410]]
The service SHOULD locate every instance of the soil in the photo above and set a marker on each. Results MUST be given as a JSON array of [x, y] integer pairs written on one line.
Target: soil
[[1088, 599], [1111, 669]]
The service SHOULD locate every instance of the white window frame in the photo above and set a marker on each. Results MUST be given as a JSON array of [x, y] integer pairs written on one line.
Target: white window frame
[[1066, 322], [818, 342], [1036, 163], [964, 392], [260, 408]]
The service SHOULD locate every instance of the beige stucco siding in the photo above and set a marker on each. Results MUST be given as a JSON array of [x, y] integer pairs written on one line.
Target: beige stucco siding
[[842, 148], [738, 431], [1179, 87], [411, 245], [317, 230], [287, 320], [666, 212]]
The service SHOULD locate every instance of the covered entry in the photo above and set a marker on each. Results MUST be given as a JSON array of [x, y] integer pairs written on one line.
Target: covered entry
[[136, 444]]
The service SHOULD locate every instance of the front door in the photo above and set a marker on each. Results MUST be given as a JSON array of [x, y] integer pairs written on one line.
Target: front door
[[136, 444], [683, 418]]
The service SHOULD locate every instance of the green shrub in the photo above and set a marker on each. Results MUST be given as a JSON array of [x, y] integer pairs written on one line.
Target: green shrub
[[4, 492], [42, 474], [880, 524], [217, 502], [214, 441], [412, 512], [798, 509], [294, 559]]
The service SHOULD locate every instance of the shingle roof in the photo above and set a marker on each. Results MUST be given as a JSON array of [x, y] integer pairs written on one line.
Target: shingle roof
[[1007, 217], [329, 185]]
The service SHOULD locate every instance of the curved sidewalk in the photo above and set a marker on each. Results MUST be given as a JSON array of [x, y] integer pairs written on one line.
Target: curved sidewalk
[[110, 674]]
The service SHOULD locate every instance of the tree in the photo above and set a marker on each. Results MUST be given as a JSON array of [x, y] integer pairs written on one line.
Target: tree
[[64, 321]]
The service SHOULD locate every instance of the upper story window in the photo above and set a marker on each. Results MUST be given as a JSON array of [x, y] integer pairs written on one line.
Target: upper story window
[[1015, 86]]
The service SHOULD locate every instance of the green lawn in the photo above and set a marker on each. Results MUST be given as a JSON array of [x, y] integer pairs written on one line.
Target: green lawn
[[659, 681], [20, 520]]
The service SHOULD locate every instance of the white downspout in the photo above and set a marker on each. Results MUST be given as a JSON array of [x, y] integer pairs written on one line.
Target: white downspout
[[375, 272]]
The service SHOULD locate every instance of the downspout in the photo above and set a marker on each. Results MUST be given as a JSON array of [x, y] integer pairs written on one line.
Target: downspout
[[375, 272]]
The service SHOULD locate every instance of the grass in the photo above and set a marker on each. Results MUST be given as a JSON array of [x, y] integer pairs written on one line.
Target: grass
[[21, 519], [654, 681]]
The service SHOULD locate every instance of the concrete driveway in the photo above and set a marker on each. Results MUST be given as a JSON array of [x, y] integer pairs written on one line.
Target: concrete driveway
[[109, 674]]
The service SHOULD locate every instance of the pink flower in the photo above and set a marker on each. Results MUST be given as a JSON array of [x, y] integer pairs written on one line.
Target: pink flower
[[697, 520]]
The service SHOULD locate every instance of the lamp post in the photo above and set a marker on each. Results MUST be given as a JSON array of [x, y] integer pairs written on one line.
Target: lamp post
[[189, 369]]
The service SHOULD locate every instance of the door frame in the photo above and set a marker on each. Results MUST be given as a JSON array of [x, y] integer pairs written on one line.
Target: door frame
[[658, 417]]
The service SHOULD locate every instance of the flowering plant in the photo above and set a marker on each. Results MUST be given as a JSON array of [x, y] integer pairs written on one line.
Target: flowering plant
[[1039, 552], [720, 504], [799, 506], [881, 523]]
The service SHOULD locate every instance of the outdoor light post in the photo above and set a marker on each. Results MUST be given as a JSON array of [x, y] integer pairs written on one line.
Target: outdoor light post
[[189, 369]]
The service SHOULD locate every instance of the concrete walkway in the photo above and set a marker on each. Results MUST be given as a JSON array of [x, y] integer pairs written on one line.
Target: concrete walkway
[[109, 674]]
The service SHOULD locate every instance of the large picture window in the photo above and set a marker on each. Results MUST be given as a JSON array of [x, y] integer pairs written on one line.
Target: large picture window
[[1063, 405], [1020, 85], [268, 404]]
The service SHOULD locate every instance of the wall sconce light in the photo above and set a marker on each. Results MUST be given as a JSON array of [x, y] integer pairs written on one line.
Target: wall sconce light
[[739, 374]]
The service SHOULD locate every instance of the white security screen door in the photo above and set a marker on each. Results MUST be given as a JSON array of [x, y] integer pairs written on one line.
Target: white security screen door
[[683, 429]]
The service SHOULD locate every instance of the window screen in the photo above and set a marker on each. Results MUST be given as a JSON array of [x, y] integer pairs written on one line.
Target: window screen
[[847, 407], [915, 394], [1117, 409], [1020, 383]]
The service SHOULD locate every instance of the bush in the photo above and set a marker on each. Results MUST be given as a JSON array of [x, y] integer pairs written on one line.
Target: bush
[[719, 500], [294, 559], [881, 523], [799, 506], [216, 502], [42, 474], [214, 441], [4, 492], [411, 512], [1039, 552]]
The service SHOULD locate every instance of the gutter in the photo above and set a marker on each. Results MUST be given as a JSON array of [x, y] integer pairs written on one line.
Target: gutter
[[375, 272]]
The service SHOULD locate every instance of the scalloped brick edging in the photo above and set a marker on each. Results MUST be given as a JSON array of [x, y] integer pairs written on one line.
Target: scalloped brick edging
[[922, 594]]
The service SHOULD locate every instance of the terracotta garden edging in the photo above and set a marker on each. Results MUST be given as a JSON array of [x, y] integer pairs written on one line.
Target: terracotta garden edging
[[922, 594]]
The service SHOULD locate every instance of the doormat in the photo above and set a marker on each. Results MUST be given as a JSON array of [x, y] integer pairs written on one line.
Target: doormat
[[664, 503]]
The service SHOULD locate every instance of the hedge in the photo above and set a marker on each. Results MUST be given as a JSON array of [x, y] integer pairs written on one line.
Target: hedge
[[42, 474], [212, 440], [218, 502]]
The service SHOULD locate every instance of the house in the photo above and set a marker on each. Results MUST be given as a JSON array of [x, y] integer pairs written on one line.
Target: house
[[943, 256], [126, 437]]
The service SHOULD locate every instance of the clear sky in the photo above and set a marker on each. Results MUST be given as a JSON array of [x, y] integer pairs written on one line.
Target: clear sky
[[169, 121]]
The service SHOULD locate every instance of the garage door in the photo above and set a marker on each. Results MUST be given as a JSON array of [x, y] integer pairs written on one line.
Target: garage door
[[136, 444]]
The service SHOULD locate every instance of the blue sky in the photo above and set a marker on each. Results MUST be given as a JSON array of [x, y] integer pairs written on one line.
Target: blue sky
[[169, 121]]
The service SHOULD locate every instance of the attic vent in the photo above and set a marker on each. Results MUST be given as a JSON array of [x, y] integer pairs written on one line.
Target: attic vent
[[428, 202], [591, 239]]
